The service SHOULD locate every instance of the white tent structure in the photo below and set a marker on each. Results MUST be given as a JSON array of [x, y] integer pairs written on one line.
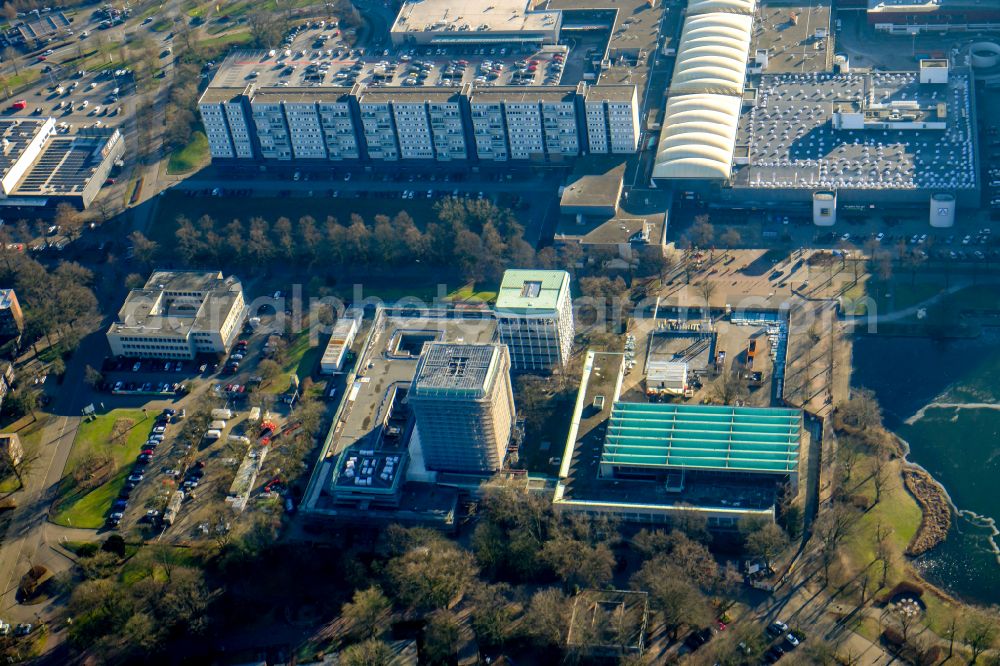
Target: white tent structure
[[703, 105]]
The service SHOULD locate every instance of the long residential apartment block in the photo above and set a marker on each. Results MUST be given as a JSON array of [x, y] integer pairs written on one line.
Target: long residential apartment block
[[467, 124]]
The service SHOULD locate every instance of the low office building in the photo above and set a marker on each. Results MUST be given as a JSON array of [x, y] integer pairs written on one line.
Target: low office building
[[660, 460], [11, 316], [341, 339], [41, 167], [593, 195], [464, 403], [534, 312], [178, 315]]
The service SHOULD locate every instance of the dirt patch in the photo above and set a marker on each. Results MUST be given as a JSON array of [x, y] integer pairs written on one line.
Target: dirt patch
[[120, 430], [933, 501]]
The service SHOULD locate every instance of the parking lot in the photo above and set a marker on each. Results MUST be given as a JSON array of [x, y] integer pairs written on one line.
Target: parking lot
[[206, 417], [81, 99]]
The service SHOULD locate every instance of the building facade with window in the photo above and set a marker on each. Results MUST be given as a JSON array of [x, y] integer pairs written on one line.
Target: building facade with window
[[534, 313], [464, 406]]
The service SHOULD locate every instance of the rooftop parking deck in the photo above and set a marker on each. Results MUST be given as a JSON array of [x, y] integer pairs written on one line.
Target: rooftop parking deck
[[418, 68], [790, 138], [797, 36]]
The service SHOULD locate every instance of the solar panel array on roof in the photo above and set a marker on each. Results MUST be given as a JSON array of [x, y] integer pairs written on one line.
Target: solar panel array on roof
[[706, 437]]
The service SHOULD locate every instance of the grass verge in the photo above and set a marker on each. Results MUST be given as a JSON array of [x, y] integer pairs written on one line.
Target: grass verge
[[190, 157], [301, 359], [469, 294], [86, 507]]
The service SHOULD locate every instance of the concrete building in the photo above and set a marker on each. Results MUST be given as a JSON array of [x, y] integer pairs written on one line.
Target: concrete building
[[869, 137], [371, 469], [178, 315], [226, 115], [612, 115], [442, 23], [908, 17], [341, 339], [11, 316], [534, 313], [306, 126], [593, 194], [464, 405]]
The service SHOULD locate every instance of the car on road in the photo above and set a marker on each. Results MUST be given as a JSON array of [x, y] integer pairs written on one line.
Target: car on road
[[157, 430], [115, 518], [23, 629], [135, 477], [135, 368], [4, 628]]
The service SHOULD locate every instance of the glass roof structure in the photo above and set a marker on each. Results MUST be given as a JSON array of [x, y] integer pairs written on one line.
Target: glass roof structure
[[705, 437]]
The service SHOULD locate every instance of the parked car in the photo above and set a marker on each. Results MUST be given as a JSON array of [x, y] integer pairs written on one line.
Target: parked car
[[773, 654], [777, 628]]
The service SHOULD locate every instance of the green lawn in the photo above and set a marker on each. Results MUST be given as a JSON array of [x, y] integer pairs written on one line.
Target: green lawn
[[189, 157], [225, 41], [856, 295], [897, 509], [23, 77], [161, 25], [469, 294], [302, 358], [88, 508]]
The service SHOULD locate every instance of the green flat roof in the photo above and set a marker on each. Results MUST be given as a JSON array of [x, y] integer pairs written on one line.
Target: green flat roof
[[708, 437], [529, 290]]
